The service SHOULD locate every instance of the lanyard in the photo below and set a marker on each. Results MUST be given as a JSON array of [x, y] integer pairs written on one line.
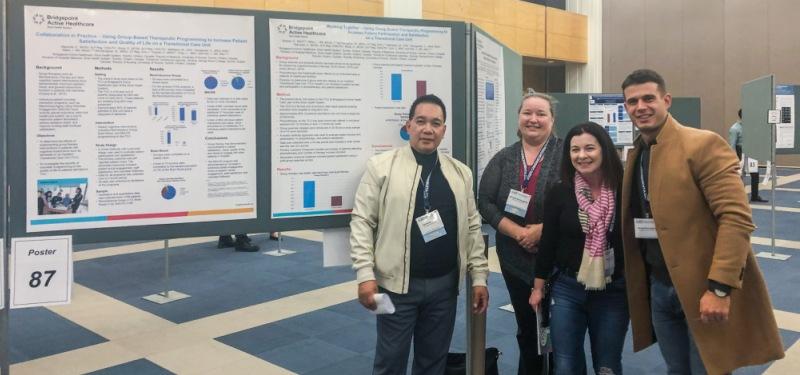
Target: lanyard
[[426, 192], [526, 178], [645, 194]]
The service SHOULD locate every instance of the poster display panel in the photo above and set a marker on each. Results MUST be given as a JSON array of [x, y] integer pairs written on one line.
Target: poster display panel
[[784, 128], [130, 125], [340, 93], [609, 112], [491, 99]]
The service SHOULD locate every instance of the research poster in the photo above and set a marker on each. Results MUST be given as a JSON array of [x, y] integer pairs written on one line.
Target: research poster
[[138, 118], [340, 94], [609, 112], [491, 99], [784, 103]]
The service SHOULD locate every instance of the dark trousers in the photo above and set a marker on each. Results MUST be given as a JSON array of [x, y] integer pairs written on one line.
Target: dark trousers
[[754, 186], [427, 313], [753, 176], [530, 362]]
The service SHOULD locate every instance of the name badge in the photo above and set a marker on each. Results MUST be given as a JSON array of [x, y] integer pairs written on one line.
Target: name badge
[[645, 228], [431, 226], [517, 203]]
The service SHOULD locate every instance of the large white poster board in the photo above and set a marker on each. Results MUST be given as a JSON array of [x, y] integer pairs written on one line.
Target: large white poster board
[[41, 271], [609, 112], [340, 94], [491, 99], [138, 118], [784, 128]]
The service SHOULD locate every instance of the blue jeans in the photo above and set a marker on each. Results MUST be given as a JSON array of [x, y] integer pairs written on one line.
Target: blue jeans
[[674, 338], [604, 313]]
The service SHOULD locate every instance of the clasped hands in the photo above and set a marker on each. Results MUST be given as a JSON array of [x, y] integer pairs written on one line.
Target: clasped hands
[[528, 236]]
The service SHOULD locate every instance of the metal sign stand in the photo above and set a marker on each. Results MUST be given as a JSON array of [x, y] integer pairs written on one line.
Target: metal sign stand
[[167, 295], [5, 359], [774, 174], [476, 328], [281, 251]]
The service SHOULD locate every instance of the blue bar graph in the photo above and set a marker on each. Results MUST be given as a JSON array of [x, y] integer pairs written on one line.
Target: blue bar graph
[[169, 138], [397, 86], [156, 110], [194, 115], [182, 114], [309, 188]]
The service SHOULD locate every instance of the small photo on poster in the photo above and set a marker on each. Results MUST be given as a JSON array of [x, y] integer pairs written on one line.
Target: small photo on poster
[[64, 196], [489, 90]]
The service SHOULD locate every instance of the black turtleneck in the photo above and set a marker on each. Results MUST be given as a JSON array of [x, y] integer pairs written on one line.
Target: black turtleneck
[[440, 256]]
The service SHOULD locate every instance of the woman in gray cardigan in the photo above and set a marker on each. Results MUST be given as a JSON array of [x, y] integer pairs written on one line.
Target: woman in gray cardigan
[[510, 198]]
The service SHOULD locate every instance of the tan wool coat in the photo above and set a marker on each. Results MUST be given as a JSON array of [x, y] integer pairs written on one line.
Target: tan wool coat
[[703, 223]]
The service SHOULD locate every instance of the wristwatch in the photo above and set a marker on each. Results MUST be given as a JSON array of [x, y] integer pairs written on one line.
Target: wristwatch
[[720, 293]]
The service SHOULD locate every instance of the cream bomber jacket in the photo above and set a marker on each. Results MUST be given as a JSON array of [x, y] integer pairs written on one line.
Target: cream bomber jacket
[[383, 212]]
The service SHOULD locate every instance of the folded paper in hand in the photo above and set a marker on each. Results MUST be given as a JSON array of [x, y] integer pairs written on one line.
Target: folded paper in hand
[[384, 303]]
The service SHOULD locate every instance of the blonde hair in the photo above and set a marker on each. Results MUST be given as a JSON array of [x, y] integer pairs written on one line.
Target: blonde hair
[[531, 93]]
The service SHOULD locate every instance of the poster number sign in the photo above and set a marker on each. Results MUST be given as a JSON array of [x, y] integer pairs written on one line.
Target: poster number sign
[[41, 271]]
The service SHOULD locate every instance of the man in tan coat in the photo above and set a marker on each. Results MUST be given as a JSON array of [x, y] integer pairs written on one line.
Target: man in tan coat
[[692, 279]]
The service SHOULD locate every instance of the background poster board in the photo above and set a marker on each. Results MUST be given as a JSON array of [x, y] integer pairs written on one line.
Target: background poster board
[[143, 155], [253, 179], [573, 109], [786, 131], [130, 126], [390, 116], [490, 99], [758, 98], [340, 94], [609, 112]]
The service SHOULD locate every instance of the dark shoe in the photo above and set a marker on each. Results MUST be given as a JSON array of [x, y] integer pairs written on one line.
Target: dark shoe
[[759, 199], [243, 244], [225, 241]]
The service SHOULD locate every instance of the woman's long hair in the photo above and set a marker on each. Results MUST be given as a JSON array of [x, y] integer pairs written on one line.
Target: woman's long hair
[[611, 167]]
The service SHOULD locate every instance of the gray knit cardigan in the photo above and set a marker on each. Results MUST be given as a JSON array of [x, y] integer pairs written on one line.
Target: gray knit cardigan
[[500, 176]]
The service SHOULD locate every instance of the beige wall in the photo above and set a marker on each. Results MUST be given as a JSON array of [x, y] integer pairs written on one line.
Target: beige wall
[[705, 48]]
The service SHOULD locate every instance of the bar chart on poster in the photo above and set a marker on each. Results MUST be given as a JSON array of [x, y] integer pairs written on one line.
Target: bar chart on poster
[[340, 94], [132, 126], [608, 110]]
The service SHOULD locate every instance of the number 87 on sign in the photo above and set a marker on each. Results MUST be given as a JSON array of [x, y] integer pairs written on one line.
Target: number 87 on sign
[[41, 271]]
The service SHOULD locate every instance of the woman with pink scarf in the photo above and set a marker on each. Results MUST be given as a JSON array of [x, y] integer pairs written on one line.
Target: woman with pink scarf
[[581, 255]]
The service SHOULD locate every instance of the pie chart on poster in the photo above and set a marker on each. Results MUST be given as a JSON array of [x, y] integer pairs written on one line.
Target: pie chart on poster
[[237, 83], [210, 82], [168, 192], [404, 134]]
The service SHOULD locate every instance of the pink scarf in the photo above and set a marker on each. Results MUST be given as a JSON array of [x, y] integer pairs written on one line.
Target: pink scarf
[[595, 216]]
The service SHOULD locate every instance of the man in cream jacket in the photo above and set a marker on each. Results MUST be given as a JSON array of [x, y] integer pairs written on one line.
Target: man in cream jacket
[[415, 230]]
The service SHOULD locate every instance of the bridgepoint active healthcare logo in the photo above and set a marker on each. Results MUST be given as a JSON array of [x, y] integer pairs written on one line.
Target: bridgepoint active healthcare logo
[[282, 28], [59, 22]]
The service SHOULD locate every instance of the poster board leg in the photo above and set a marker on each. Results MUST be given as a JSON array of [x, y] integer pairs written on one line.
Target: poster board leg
[[772, 173], [167, 295], [280, 252]]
